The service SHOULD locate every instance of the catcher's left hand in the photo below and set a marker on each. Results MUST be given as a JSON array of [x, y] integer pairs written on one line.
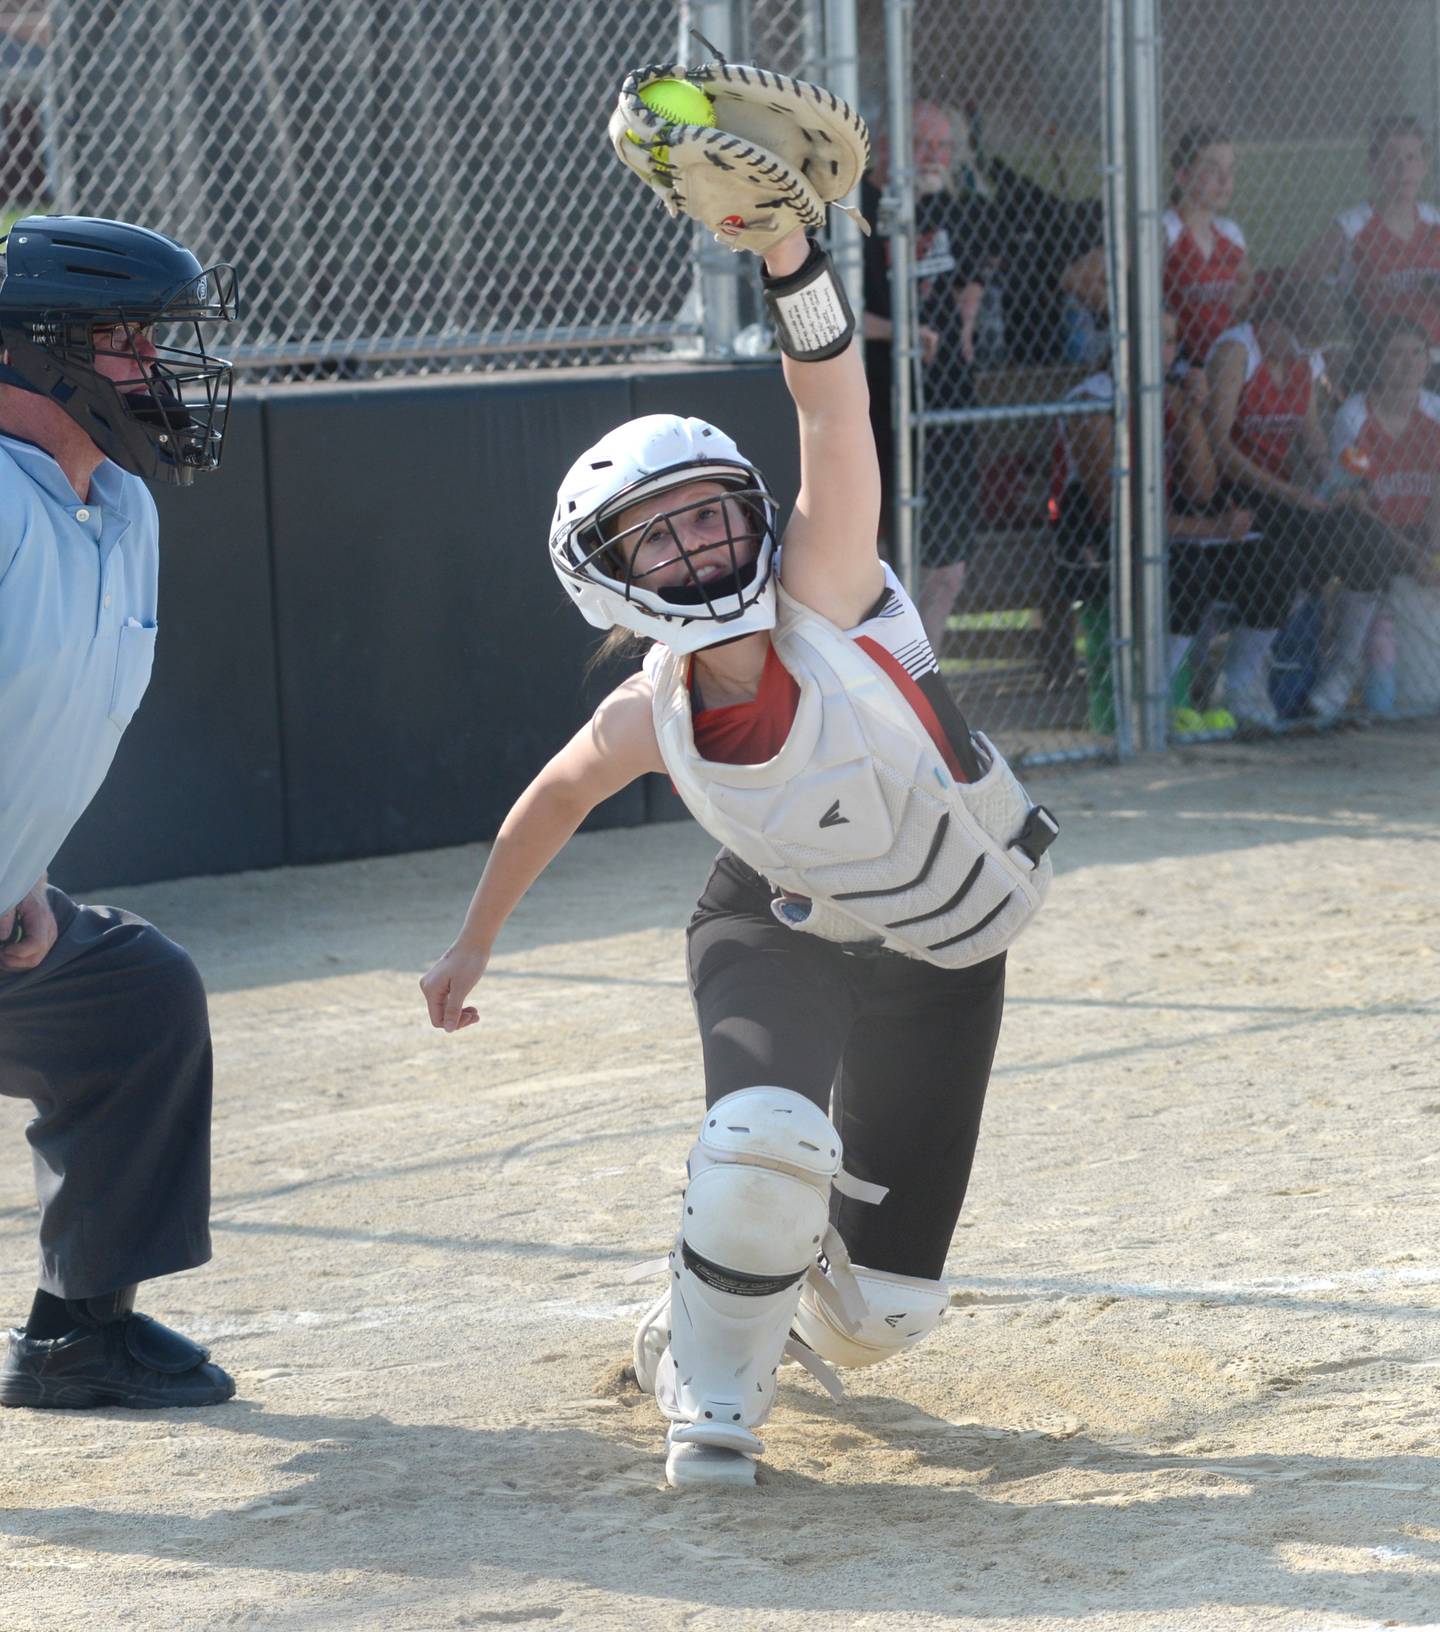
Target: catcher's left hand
[[779, 152]]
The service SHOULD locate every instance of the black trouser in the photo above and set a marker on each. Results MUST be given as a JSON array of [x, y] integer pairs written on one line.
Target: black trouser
[[110, 1039], [1082, 557], [904, 1047], [1300, 550]]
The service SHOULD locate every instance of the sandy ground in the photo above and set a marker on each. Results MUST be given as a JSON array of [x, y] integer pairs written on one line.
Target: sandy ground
[[1191, 1374]]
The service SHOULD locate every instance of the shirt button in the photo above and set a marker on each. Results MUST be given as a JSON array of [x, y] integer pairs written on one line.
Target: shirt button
[[107, 600], [82, 515]]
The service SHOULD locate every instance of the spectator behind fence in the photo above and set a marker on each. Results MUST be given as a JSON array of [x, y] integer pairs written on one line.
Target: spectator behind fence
[[1386, 442], [1384, 255], [1081, 476], [953, 240], [1272, 457], [1207, 279], [1038, 233]]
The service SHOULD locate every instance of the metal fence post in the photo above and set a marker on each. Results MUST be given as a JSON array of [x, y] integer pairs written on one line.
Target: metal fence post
[[1148, 604], [1117, 264], [900, 211], [836, 65], [725, 23]]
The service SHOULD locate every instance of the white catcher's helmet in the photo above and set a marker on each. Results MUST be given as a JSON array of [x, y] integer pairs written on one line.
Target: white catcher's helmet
[[642, 457]]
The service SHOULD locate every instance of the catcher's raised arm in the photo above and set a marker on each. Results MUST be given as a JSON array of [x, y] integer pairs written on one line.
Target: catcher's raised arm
[[779, 151]]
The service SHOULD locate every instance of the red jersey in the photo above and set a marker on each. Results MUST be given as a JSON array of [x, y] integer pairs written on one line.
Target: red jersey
[[1392, 276], [1200, 289], [1402, 471], [750, 733], [1272, 405]]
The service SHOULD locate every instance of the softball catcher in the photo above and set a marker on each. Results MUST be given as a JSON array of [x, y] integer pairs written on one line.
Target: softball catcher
[[846, 956]]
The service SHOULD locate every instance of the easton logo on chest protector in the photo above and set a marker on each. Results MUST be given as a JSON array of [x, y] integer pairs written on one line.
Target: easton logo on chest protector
[[832, 817]]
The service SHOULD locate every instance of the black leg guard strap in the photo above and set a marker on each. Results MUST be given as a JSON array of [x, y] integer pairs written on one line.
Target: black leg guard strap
[[811, 316]]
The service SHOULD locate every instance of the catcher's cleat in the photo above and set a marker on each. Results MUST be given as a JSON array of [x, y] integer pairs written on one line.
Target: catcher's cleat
[[133, 1361], [690, 1463]]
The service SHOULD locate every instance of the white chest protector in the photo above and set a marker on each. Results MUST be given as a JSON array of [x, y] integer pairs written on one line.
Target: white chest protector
[[858, 811]]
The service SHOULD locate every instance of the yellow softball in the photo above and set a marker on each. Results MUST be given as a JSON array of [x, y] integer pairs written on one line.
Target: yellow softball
[[678, 102]]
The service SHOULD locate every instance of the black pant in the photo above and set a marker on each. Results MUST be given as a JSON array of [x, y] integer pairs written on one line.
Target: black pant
[[904, 1047], [1082, 568], [110, 1039], [1300, 550]]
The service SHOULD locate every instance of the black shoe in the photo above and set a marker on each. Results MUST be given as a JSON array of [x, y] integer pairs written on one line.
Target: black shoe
[[133, 1361]]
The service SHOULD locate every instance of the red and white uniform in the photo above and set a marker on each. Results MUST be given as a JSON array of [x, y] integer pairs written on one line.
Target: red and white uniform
[[1391, 276], [1401, 471], [1201, 289], [1272, 407]]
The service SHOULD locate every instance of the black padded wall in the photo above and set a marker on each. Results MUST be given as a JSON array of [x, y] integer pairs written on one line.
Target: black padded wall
[[428, 664]]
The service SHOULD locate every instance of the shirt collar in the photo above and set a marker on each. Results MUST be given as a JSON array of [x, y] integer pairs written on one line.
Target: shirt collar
[[107, 484]]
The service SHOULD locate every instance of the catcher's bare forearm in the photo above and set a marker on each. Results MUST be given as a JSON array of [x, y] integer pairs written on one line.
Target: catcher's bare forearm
[[788, 255]]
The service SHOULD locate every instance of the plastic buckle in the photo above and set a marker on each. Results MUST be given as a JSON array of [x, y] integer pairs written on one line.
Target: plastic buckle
[[1039, 832]]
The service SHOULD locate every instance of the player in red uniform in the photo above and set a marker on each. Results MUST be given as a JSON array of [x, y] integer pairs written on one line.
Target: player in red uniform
[[1207, 277], [1082, 475], [1384, 254], [1272, 456], [1386, 440]]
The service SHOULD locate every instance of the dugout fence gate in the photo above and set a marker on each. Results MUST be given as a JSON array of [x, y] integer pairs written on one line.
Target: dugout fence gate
[[1064, 131], [402, 206]]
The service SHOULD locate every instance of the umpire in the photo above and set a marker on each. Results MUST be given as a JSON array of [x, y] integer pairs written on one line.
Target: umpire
[[103, 1024]]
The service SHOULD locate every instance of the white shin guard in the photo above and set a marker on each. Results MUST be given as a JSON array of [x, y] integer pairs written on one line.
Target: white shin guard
[[756, 1217], [899, 1312]]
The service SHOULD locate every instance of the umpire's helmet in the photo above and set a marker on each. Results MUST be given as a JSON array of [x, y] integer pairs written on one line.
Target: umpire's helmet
[[63, 277]]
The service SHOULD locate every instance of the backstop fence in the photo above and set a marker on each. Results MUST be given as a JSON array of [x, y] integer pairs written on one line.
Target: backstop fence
[[1151, 303]]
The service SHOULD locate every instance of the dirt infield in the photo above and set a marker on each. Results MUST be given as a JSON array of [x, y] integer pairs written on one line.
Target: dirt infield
[[1191, 1377]]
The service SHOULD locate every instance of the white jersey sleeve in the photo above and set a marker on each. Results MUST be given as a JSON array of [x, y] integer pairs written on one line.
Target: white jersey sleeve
[[1349, 422], [1242, 334]]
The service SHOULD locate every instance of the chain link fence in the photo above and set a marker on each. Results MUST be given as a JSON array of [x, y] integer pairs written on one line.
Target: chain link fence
[[1301, 275], [1265, 555], [410, 188], [425, 186], [1004, 105]]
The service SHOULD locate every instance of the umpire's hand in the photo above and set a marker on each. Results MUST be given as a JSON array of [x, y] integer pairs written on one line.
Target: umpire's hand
[[27, 932]]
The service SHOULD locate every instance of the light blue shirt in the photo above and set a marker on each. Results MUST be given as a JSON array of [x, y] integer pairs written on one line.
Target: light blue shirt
[[78, 585]]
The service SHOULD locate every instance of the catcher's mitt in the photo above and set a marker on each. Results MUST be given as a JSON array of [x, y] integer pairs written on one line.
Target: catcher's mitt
[[779, 152]]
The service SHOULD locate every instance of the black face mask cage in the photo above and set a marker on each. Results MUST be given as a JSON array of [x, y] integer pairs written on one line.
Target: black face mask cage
[[179, 394], [745, 519]]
